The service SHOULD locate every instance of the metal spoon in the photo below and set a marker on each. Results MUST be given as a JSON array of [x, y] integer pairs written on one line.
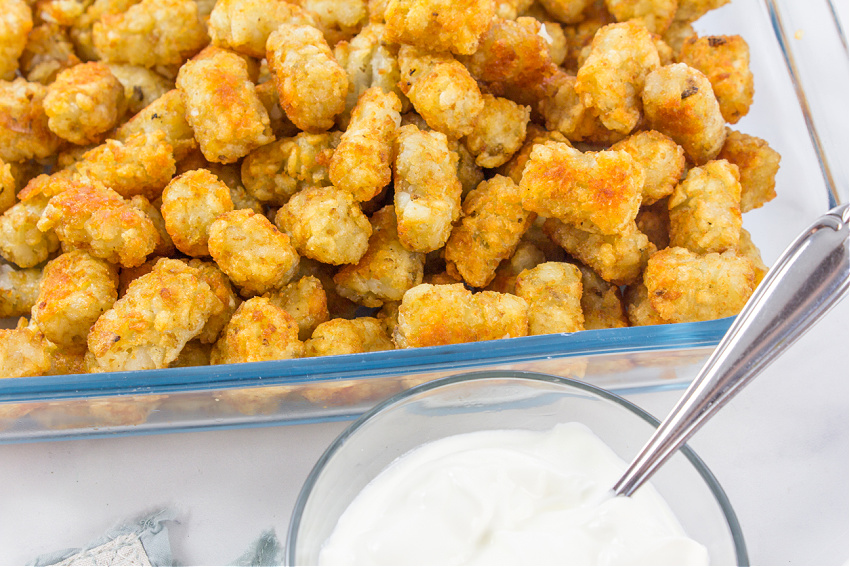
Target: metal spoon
[[809, 278]]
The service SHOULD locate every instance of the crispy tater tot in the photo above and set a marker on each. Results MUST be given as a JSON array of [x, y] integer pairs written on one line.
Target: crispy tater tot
[[431, 315], [386, 270], [220, 285], [142, 86], [165, 246], [663, 162], [339, 307], [276, 171], [24, 133], [81, 29], [725, 60], [190, 203], [150, 33], [84, 102], [92, 217], [692, 10], [148, 327], [705, 211], [617, 258], [676, 35], [498, 132], [757, 164], [439, 25], [306, 301], [254, 254], [562, 110], [75, 290], [348, 336], [684, 287], [611, 79], [598, 191], [222, 105], [678, 101], [338, 20], [167, 114], [534, 135], [48, 51], [553, 292], [24, 351], [326, 224], [245, 26], [639, 309], [654, 221], [21, 242], [427, 190], [18, 290], [525, 257], [493, 221], [15, 25], [657, 15], [601, 302], [361, 162], [141, 165], [311, 85], [258, 330], [513, 60], [441, 90]]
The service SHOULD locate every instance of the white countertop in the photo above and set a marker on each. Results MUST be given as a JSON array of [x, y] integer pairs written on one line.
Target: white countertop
[[780, 450]]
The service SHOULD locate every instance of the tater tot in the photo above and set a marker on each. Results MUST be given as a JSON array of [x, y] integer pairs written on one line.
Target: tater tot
[[150, 33], [663, 162], [15, 25], [691, 10], [566, 11], [326, 224], [24, 133], [725, 60], [439, 25], [75, 290], [601, 302], [684, 287], [306, 301], [705, 211], [18, 290], [432, 315], [148, 327], [92, 217], [167, 114], [678, 101], [493, 221], [23, 351], [498, 132], [441, 90], [525, 257], [245, 26], [48, 51], [141, 165], [84, 102], [639, 309], [598, 191], [8, 187], [617, 258], [387, 269], [190, 203], [657, 15], [534, 135], [338, 20], [258, 330], [142, 86], [21, 242], [427, 190], [338, 306], [311, 85], [348, 336], [220, 285], [553, 293], [757, 164], [275, 172], [165, 246], [361, 162], [562, 110], [676, 35], [252, 252], [222, 105], [611, 79]]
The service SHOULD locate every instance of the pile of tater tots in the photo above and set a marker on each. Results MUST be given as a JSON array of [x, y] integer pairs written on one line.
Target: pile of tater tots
[[210, 182]]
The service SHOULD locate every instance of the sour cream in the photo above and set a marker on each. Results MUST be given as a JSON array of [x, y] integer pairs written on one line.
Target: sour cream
[[509, 497]]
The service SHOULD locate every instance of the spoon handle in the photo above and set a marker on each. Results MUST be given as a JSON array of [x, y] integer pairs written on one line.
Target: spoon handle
[[808, 279]]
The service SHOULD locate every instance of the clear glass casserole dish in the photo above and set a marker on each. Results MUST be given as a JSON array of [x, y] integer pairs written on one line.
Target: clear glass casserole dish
[[342, 387]]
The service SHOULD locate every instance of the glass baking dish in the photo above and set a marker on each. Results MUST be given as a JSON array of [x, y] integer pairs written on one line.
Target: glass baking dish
[[342, 387]]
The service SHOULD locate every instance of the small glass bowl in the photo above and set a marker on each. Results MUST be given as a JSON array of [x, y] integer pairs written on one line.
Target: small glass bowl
[[490, 400]]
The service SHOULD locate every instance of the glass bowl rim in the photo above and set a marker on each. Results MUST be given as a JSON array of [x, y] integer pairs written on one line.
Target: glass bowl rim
[[306, 490]]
